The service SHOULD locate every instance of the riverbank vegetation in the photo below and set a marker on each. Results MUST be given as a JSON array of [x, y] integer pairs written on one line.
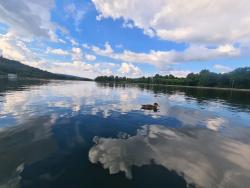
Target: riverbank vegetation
[[239, 78]]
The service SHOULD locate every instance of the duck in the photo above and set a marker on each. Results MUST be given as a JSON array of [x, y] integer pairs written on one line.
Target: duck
[[153, 107]]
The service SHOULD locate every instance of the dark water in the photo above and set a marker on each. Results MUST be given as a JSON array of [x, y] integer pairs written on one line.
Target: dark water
[[83, 134]]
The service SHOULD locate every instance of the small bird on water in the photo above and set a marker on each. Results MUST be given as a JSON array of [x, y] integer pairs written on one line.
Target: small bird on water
[[153, 107]]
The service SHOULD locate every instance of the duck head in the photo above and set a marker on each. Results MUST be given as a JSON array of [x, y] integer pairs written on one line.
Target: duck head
[[156, 104]]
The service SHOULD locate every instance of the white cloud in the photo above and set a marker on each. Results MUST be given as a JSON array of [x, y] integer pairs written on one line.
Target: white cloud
[[92, 70], [74, 12], [57, 51], [73, 68], [82, 69], [73, 42], [198, 23], [226, 48], [90, 57], [203, 22], [107, 51], [128, 69], [179, 73], [77, 54], [166, 58], [128, 25], [222, 68], [86, 46], [62, 41], [16, 49], [28, 18], [222, 23]]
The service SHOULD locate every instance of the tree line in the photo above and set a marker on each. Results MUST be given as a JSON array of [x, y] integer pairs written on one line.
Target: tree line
[[239, 78]]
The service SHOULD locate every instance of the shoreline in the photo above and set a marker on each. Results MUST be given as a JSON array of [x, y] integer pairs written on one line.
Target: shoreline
[[192, 87], [203, 87]]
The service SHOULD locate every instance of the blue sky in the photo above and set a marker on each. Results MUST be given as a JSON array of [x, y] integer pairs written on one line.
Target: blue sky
[[127, 38]]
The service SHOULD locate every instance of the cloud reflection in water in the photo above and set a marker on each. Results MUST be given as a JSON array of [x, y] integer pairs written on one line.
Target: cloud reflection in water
[[203, 157], [60, 116], [73, 98]]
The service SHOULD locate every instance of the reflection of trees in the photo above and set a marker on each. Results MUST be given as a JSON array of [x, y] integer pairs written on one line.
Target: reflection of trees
[[238, 99], [25, 144], [33, 149], [234, 98], [19, 84]]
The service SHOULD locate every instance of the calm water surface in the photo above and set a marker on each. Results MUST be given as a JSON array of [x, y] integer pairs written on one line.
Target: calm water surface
[[83, 134]]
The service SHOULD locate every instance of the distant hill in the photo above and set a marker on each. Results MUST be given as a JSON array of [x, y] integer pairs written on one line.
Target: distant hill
[[8, 66]]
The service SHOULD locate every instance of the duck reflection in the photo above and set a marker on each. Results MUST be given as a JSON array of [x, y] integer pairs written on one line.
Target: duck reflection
[[203, 157]]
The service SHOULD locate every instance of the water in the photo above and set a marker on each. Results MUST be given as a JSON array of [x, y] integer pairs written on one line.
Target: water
[[84, 134]]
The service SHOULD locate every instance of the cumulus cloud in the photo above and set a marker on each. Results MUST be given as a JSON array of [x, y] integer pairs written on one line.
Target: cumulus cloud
[[81, 68], [90, 57], [107, 51], [222, 163], [213, 21], [28, 18], [165, 58], [57, 51], [197, 23], [16, 49], [77, 68], [77, 54], [128, 69]]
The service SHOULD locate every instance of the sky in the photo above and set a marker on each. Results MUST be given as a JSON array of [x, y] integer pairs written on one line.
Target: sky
[[132, 38]]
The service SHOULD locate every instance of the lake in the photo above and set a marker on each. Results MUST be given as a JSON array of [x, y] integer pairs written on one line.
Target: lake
[[86, 134]]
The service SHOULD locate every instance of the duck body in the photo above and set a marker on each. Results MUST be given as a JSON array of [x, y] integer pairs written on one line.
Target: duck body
[[153, 107]]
